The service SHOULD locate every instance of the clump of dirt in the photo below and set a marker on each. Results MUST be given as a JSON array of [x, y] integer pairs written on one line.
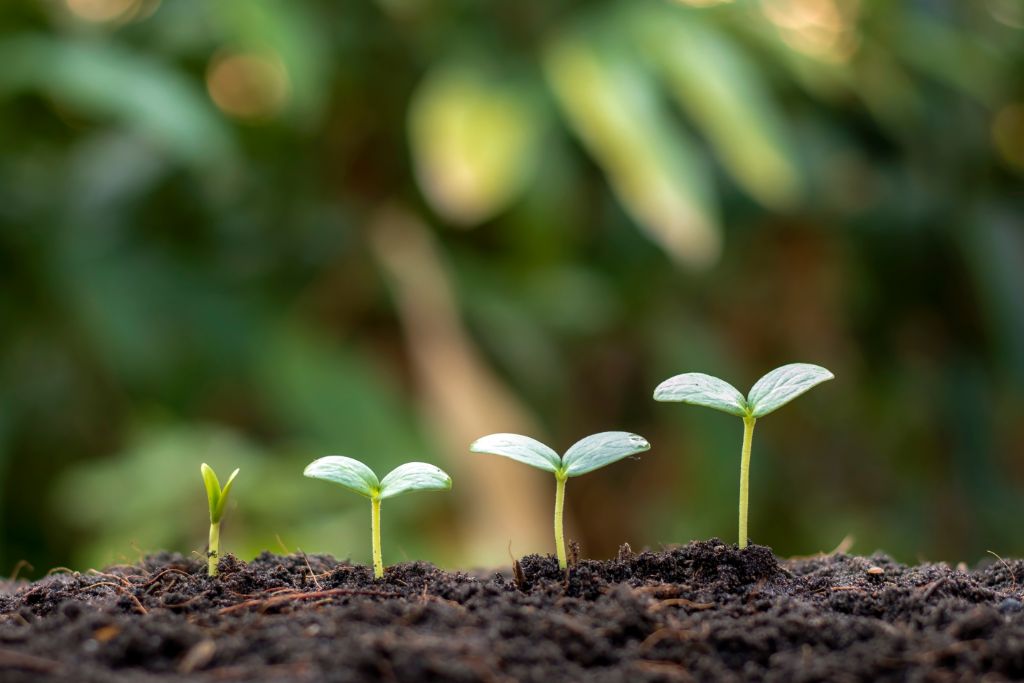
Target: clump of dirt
[[705, 611]]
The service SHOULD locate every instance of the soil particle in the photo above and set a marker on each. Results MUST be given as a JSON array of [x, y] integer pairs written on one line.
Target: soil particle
[[705, 611]]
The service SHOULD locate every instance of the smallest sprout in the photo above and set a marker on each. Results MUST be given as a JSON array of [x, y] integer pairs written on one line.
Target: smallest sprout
[[217, 497]]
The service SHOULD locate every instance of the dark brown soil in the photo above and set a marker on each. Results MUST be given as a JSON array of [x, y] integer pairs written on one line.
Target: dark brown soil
[[706, 611]]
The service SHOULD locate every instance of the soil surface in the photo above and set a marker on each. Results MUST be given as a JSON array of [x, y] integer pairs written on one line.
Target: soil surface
[[705, 611]]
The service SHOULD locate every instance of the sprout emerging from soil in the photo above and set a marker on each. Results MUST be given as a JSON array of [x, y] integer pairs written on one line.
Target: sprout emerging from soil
[[586, 455], [774, 390], [357, 477], [217, 497]]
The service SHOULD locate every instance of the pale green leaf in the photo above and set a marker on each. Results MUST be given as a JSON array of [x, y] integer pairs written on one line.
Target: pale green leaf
[[699, 389], [350, 473], [212, 485], [414, 476], [519, 447], [598, 450], [224, 495], [782, 385]]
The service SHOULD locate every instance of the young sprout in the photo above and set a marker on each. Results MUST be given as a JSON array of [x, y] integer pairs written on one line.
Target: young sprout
[[586, 455], [217, 497], [357, 477], [774, 390]]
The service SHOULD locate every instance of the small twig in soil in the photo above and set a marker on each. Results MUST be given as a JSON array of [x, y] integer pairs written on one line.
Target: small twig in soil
[[269, 591], [15, 615], [20, 660], [61, 570], [94, 572], [680, 602], [663, 634], [311, 574], [931, 588], [164, 573], [1012, 574], [427, 597], [22, 564], [283, 598], [121, 589]]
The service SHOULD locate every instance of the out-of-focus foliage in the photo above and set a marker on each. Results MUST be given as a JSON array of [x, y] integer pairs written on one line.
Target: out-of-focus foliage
[[199, 262]]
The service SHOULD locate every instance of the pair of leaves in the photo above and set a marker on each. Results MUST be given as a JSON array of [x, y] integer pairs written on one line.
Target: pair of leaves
[[357, 477], [216, 495], [774, 390], [586, 455]]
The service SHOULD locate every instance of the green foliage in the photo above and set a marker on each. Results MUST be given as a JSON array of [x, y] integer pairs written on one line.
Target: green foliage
[[586, 455], [216, 495]]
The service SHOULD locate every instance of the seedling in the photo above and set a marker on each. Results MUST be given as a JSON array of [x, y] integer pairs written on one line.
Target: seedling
[[217, 497], [771, 392], [357, 477], [586, 455]]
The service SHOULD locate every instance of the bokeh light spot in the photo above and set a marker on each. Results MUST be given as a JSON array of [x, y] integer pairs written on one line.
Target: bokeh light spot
[[250, 86], [1008, 133], [823, 29], [105, 10]]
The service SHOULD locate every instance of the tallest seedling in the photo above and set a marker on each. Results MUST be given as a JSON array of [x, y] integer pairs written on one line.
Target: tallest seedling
[[774, 390]]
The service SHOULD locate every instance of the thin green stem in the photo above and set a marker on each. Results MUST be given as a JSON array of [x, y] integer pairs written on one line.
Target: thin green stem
[[378, 562], [748, 439], [214, 549], [559, 506]]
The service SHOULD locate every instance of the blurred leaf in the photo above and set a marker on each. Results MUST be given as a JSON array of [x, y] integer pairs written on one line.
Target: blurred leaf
[[722, 90], [105, 80], [949, 55], [613, 106], [336, 398], [475, 140]]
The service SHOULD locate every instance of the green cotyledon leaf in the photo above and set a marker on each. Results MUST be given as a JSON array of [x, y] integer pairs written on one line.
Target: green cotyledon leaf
[[350, 473], [597, 450], [521, 448], [414, 476], [782, 385], [699, 389]]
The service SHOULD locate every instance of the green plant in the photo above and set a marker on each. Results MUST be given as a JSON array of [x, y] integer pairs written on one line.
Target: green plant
[[357, 477], [217, 498], [774, 390], [586, 455]]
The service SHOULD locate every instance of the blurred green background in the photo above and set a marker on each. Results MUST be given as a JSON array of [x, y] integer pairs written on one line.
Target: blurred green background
[[256, 232]]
